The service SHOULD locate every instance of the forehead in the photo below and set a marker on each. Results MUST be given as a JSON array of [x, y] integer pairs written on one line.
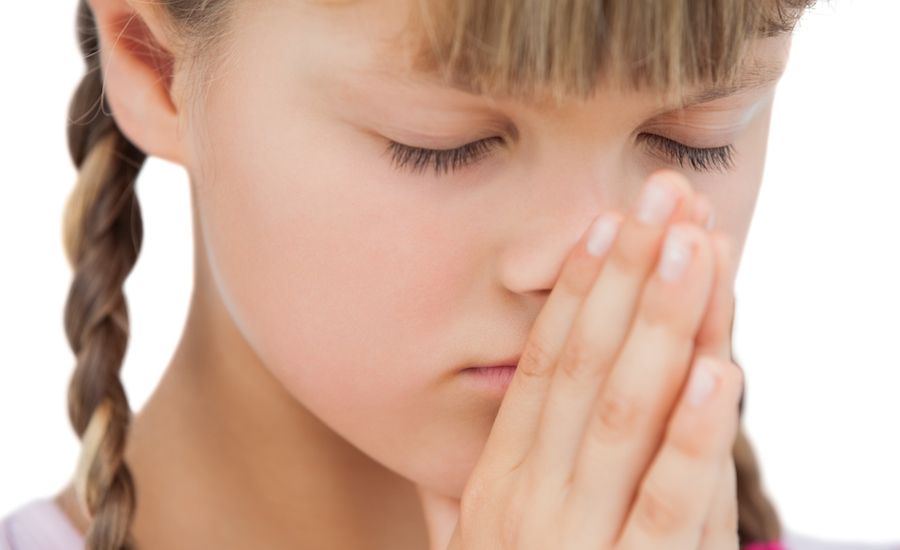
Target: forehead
[[415, 41]]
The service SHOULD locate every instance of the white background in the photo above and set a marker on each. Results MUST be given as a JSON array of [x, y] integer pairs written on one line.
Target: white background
[[817, 323]]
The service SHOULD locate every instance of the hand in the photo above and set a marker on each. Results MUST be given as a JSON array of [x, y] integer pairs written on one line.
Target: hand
[[595, 444]]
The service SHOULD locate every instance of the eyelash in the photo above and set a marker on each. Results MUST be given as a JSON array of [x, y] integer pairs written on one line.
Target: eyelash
[[701, 159], [417, 159]]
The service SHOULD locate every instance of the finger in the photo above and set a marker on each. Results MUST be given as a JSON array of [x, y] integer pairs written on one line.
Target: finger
[[703, 213], [721, 528], [714, 335], [629, 418], [714, 338], [673, 500], [513, 431], [601, 324]]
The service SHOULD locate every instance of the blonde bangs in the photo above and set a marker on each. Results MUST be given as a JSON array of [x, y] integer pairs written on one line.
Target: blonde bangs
[[565, 48]]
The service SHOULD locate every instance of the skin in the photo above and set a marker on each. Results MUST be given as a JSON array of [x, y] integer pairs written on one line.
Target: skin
[[314, 399]]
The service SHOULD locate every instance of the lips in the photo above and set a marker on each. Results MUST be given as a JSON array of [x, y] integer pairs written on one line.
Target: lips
[[489, 381], [511, 361]]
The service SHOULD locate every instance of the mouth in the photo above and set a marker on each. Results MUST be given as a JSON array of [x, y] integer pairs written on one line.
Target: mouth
[[493, 379], [509, 362]]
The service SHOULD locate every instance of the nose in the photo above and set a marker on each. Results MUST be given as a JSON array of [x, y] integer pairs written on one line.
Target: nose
[[532, 256]]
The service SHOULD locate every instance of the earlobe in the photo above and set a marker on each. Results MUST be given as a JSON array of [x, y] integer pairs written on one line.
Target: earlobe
[[137, 76]]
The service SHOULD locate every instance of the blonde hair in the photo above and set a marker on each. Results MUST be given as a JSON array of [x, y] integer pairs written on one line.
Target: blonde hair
[[527, 49], [566, 48]]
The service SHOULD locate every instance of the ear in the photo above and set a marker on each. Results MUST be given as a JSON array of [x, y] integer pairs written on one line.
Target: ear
[[137, 74]]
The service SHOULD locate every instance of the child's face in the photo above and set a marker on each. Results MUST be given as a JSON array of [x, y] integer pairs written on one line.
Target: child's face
[[365, 288]]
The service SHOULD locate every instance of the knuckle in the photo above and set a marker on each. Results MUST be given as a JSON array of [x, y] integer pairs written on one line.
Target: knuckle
[[657, 512], [575, 279], [733, 386], [536, 360], [657, 311], [630, 256], [616, 415], [692, 441], [577, 361]]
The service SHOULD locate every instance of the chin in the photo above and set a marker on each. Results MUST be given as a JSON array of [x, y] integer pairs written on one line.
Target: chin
[[446, 472]]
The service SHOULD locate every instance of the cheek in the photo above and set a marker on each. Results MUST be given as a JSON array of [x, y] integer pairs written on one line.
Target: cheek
[[341, 279]]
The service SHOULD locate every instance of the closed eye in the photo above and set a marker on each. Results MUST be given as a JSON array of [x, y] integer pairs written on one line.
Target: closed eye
[[701, 159], [443, 161], [418, 159]]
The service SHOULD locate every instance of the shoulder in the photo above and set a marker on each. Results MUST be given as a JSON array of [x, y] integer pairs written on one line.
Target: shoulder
[[39, 524], [798, 541]]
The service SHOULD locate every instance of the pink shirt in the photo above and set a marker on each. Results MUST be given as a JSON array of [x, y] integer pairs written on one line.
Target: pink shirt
[[41, 525]]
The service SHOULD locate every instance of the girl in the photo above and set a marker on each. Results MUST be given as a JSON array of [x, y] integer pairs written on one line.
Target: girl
[[463, 274]]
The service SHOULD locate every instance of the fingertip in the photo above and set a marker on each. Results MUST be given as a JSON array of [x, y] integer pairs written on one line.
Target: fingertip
[[703, 214], [602, 232], [681, 187], [703, 380], [675, 178]]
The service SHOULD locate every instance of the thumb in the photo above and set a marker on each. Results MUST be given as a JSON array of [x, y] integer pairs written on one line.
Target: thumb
[[441, 516]]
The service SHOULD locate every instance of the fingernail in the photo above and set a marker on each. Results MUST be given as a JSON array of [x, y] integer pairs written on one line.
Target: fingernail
[[711, 219], [677, 253], [703, 382], [657, 203], [603, 233]]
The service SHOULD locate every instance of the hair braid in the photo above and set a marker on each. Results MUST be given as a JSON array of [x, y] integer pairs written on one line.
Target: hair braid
[[102, 237], [758, 519]]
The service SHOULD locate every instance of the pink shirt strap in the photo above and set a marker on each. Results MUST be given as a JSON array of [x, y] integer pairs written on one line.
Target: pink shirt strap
[[771, 545]]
